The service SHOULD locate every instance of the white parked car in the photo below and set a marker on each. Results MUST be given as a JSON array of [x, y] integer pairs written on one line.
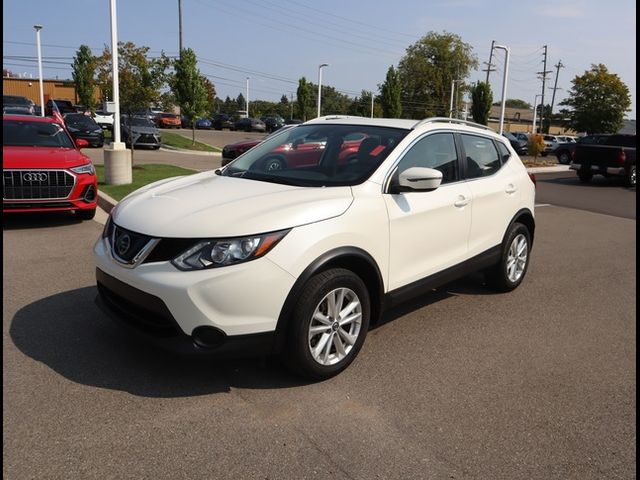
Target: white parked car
[[104, 119], [299, 244]]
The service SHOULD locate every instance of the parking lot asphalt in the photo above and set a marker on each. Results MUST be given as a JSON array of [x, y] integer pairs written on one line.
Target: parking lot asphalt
[[461, 383]]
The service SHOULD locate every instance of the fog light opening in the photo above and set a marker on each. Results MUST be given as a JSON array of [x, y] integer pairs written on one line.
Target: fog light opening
[[208, 337]]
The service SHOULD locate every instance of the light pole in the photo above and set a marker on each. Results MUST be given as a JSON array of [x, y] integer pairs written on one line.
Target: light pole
[[38, 28], [453, 88], [247, 101], [372, 104], [535, 111], [320, 84], [504, 84], [117, 159]]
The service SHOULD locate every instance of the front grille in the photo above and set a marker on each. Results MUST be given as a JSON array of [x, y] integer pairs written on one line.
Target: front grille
[[125, 244], [147, 139], [36, 184], [169, 248]]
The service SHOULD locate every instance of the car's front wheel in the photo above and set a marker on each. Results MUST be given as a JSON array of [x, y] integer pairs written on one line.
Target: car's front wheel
[[507, 274], [329, 324], [631, 176], [564, 158]]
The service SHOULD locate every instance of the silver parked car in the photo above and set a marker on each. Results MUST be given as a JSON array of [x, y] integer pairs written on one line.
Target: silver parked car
[[140, 132]]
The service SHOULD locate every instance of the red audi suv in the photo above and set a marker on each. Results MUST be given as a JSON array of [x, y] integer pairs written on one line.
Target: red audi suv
[[43, 169]]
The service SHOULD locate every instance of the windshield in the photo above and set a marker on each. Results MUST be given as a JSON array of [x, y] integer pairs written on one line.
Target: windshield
[[18, 133], [80, 121], [138, 122], [318, 155], [16, 100]]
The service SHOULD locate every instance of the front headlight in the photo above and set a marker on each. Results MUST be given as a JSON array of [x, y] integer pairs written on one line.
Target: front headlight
[[229, 251], [88, 168]]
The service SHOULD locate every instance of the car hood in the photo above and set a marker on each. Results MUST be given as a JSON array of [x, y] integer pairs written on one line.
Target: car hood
[[207, 205], [42, 157]]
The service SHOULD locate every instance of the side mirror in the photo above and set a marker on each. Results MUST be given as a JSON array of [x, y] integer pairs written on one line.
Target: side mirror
[[81, 143], [296, 143], [417, 179]]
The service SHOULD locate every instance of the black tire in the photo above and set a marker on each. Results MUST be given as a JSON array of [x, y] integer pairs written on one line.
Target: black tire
[[273, 164], [86, 214], [630, 179], [298, 356], [564, 158], [585, 177], [497, 277]]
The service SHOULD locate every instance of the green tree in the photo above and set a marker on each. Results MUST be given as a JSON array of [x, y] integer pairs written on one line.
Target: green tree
[[189, 89], [304, 97], [140, 79], [83, 72], [390, 94], [481, 98], [211, 94], [103, 75], [427, 70], [597, 101], [514, 103]]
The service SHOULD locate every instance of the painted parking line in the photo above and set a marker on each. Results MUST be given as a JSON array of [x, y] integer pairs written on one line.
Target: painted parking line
[[543, 205]]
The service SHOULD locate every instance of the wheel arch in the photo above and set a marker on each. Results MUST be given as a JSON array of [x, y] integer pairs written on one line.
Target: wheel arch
[[525, 217], [351, 258]]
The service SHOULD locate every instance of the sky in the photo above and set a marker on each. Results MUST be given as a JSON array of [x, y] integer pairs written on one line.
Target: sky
[[275, 42]]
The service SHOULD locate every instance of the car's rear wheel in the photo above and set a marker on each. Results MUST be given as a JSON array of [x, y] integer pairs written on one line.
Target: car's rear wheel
[[564, 158], [509, 272], [329, 324], [274, 163], [585, 177], [631, 176], [86, 214]]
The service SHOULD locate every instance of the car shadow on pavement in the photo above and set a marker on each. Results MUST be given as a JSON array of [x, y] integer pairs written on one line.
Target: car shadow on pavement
[[473, 284], [38, 220], [68, 333], [596, 182]]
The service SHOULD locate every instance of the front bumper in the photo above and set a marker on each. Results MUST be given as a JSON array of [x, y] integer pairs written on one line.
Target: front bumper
[[242, 299]]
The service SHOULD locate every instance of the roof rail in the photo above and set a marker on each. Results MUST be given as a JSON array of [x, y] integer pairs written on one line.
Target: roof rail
[[451, 120]]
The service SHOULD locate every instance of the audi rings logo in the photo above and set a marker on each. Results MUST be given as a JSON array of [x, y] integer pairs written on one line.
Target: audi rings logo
[[35, 177], [123, 243]]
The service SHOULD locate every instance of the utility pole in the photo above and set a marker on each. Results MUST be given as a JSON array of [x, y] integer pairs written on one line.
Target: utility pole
[[291, 103], [544, 79], [247, 99], [180, 26], [558, 66], [489, 64]]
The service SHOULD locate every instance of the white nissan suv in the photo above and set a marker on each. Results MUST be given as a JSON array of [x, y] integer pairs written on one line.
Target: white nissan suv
[[298, 245]]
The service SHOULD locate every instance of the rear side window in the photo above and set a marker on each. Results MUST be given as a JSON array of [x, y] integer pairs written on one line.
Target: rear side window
[[481, 158], [437, 151], [622, 140], [504, 151]]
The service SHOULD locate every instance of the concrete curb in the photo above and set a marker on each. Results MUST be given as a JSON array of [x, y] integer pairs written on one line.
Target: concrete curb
[[554, 169], [105, 202], [165, 148]]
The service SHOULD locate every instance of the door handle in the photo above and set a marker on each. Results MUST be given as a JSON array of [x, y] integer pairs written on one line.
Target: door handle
[[511, 189], [461, 201]]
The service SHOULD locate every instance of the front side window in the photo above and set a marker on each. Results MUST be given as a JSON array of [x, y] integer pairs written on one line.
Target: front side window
[[318, 155], [437, 151], [481, 156]]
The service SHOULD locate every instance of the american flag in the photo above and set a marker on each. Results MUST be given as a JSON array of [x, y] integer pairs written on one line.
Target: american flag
[[56, 113]]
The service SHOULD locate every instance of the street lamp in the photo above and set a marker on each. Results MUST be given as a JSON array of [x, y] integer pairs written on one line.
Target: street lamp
[[320, 84], [535, 111], [504, 83], [38, 28]]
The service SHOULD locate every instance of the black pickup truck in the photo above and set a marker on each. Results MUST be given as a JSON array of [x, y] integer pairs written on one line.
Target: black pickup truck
[[608, 155]]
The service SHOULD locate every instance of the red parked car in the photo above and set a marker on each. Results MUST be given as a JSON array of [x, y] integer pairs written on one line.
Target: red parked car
[[43, 169]]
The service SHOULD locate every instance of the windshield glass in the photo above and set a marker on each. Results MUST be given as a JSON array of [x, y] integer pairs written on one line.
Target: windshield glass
[[34, 134], [16, 100], [138, 122], [318, 155], [80, 121]]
